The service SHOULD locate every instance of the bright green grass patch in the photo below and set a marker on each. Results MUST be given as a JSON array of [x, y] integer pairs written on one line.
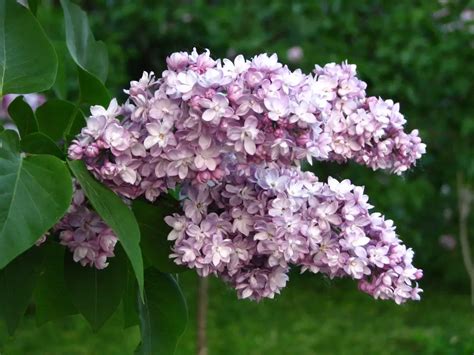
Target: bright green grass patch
[[312, 316]]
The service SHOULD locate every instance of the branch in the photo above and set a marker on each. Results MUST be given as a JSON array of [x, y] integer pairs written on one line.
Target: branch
[[465, 197], [203, 285]]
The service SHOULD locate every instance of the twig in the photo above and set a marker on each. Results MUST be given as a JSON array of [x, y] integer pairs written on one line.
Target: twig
[[203, 286], [464, 205]]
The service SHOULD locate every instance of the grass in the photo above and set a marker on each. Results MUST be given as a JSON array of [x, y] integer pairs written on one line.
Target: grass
[[312, 316]]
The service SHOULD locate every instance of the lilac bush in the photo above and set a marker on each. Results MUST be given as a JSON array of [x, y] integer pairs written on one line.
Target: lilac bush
[[233, 135], [203, 166]]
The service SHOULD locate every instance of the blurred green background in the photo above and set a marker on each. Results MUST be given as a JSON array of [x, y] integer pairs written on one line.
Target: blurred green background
[[419, 53]]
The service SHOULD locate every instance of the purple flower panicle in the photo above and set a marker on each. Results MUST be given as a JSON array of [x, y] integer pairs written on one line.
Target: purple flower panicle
[[204, 115], [232, 134], [85, 234], [250, 230]]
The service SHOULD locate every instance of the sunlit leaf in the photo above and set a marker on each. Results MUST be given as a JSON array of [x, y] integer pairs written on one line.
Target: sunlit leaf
[[115, 213], [35, 193]]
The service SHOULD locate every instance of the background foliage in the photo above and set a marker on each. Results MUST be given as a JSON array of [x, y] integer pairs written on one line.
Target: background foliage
[[419, 53]]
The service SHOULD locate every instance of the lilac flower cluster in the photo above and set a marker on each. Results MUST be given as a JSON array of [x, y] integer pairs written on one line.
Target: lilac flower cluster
[[85, 234], [249, 230], [233, 134], [367, 130], [204, 115]]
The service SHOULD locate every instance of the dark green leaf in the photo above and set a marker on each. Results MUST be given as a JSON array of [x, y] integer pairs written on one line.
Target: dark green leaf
[[163, 315], [96, 293], [175, 193], [154, 232], [50, 294], [60, 86], [17, 283], [129, 302], [77, 124], [55, 118], [89, 54], [66, 80], [115, 213], [33, 5], [23, 116], [39, 143], [35, 193], [28, 62], [93, 92]]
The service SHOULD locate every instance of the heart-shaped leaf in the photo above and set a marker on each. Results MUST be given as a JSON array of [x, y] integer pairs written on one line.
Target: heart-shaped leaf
[[23, 116], [35, 193], [56, 117], [115, 213], [28, 62], [163, 315], [50, 300], [129, 302], [96, 293], [39, 143], [89, 54], [77, 124], [33, 6], [66, 71], [17, 282], [154, 232], [93, 92]]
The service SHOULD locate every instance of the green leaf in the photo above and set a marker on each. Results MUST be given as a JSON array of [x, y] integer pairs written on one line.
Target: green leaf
[[39, 143], [17, 283], [163, 314], [96, 293], [92, 91], [33, 5], [89, 54], [50, 300], [154, 232], [28, 62], [129, 302], [23, 116], [65, 79], [35, 193], [60, 86], [55, 118], [174, 193], [115, 213], [77, 124]]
